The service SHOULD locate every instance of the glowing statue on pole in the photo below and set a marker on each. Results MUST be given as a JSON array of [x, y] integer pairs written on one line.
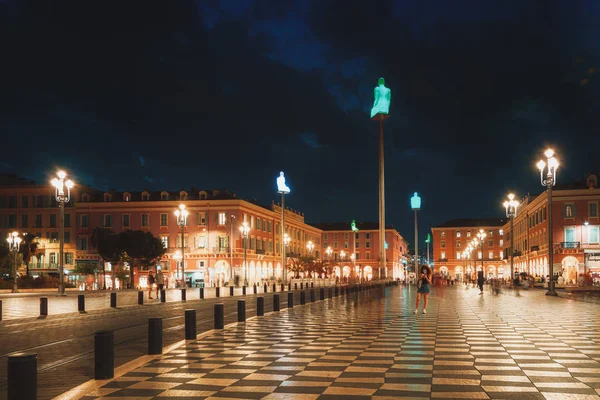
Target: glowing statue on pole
[[383, 97], [353, 226], [281, 186]]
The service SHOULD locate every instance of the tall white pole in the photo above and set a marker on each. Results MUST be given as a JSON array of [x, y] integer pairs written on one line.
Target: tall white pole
[[282, 237]]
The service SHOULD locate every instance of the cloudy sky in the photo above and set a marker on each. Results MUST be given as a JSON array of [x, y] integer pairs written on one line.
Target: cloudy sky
[[224, 94]]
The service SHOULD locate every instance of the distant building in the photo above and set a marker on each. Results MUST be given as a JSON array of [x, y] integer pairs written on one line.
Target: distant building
[[452, 237], [364, 244]]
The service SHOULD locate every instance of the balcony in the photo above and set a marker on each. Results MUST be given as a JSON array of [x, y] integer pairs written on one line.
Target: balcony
[[535, 248], [220, 250], [570, 245], [442, 260], [33, 266], [261, 251]]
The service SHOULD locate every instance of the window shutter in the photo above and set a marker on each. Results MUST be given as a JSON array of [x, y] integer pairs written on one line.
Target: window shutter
[[574, 210], [564, 211], [217, 218]]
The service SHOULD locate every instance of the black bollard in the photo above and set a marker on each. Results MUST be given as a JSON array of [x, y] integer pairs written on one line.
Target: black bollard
[[302, 298], [190, 324], [275, 302], [312, 285], [43, 306], [244, 290], [282, 287], [113, 300], [219, 316], [342, 290], [184, 294], [231, 290], [81, 302], [289, 286], [290, 300], [163, 296], [217, 291], [255, 289], [295, 285], [322, 293], [330, 293], [201, 292], [312, 295], [336, 291], [260, 306], [22, 376], [274, 288], [301, 285], [0, 310], [155, 335], [265, 288], [140, 298], [241, 310], [104, 355]]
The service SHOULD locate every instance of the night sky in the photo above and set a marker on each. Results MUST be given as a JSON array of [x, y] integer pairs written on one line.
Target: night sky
[[174, 94]]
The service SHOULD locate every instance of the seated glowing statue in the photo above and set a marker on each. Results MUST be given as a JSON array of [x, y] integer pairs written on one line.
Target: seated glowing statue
[[383, 97], [281, 186]]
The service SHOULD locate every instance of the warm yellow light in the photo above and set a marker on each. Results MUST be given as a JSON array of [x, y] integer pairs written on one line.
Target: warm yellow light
[[541, 165], [69, 183], [549, 153], [55, 182], [61, 174], [553, 163], [511, 196], [505, 204]]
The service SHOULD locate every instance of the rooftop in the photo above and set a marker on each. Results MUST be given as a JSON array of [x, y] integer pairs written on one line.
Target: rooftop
[[472, 222]]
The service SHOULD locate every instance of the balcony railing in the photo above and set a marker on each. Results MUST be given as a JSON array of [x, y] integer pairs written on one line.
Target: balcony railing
[[443, 260], [535, 248], [261, 251], [220, 250], [570, 245], [43, 266]]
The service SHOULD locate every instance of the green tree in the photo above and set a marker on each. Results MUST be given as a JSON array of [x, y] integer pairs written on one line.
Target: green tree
[[108, 247], [28, 249], [141, 248], [5, 259]]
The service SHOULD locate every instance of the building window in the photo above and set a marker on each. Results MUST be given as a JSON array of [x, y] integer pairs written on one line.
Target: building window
[[593, 210], [357, 244], [145, 196], [201, 241], [443, 244], [443, 255], [24, 221], [165, 241], [12, 221], [468, 234], [368, 245], [490, 243], [107, 221], [443, 234], [85, 198], [491, 255], [345, 245], [324, 245], [53, 237], [501, 254], [335, 245], [569, 234], [38, 220], [83, 221], [324, 236], [67, 220], [458, 244], [357, 256], [125, 220], [367, 256], [69, 258], [593, 234], [67, 237], [222, 218], [490, 233], [346, 235], [357, 236], [501, 243], [335, 236], [367, 236], [164, 196], [83, 244], [145, 220], [107, 197], [163, 219], [568, 211], [25, 202], [479, 255], [202, 196], [201, 218], [52, 220], [458, 234], [458, 255], [126, 196]]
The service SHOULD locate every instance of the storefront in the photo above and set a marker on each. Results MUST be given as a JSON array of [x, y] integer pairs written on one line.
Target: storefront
[[592, 264]]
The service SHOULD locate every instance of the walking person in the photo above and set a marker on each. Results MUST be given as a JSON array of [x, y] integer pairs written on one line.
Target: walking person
[[423, 288], [480, 281], [151, 282], [160, 282]]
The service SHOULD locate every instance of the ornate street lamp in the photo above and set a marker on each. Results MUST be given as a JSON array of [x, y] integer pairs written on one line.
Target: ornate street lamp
[[550, 165], [283, 189], [245, 230], [181, 213], [14, 242], [310, 246], [63, 196], [511, 206], [415, 204]]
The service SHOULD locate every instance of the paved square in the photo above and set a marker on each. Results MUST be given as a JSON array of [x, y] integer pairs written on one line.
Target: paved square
[[466, 347]]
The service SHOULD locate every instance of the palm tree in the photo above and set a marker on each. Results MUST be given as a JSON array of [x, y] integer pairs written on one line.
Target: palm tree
[[28, 249]]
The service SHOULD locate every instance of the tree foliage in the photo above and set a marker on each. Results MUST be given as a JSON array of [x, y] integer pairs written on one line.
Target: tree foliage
[[28, 249], [141, 248]]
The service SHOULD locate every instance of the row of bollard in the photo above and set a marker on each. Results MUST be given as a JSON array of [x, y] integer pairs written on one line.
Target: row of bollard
[[24, 365]]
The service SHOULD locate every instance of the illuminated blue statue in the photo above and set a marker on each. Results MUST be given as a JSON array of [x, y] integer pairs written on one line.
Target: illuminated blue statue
[[281, 186], [415, 202], [383, 97]]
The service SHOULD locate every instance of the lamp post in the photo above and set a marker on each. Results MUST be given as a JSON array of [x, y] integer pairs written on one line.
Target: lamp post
[[329, 251], [178, 259], [310, 246], [427, 241], [62, 197], [282, 189], [552, 165], [182, 215], [14, 242], [232, 217], [415, 203], [511, 206], [245, 230], [481, 236], [286, 241]]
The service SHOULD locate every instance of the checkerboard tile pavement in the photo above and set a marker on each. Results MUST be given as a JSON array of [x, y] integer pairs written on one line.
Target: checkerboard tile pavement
[[465, 347]]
